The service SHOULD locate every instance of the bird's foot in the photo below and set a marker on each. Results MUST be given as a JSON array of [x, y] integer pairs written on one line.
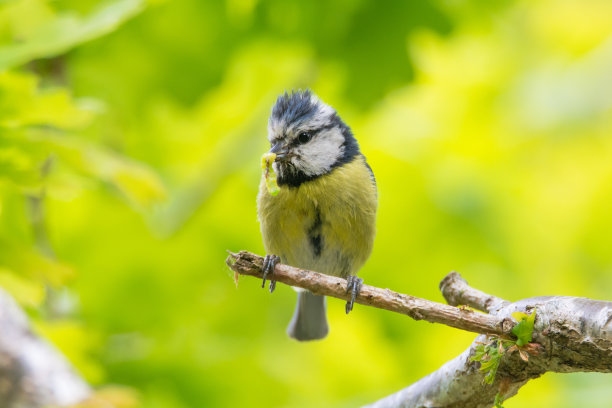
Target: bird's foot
[[269, 263], [353, 285]]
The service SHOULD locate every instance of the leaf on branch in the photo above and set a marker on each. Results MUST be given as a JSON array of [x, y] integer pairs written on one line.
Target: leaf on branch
[[524, 329], [489, 355], [498, 400]]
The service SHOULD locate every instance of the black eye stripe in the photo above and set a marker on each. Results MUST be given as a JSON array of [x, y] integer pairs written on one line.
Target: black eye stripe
[[312, 132], [300, 139]]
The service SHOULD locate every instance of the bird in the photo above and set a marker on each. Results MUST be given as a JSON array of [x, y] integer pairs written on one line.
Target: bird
[[324, 215]]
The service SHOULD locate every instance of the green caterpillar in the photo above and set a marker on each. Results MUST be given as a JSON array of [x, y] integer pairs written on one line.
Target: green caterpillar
[[266, 166]]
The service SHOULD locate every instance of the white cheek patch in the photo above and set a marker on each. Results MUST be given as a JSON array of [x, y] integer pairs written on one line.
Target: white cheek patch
[[319, 155]]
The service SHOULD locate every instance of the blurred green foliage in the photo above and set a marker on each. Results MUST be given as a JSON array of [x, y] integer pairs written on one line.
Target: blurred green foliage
[[130, 138]]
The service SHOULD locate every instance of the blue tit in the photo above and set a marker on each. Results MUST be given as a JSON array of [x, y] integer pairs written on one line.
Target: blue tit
[[324, 216]]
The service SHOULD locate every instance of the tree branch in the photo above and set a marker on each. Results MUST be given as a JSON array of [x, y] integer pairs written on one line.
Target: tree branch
[[456, 291], [570, 334], [573, 333], [33, 373], [246, 263]]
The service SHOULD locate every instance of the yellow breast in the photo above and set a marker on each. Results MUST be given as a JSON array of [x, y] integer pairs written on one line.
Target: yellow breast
[[326, 224]]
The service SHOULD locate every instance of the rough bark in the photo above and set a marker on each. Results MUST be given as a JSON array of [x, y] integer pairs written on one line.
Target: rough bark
[[570, 334], [575, 334], [32, 372]]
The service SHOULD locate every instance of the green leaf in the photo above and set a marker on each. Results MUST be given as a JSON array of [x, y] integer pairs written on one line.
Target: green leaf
[[479, 354], [140, 185], [27, 292], [498, 400], [524, 329], [19, 167], [519, 316], [489, 357], [58, 35], [32, 265], [22, 103]]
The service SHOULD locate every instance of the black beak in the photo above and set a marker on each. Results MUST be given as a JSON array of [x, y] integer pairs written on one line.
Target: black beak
[[280, 150]]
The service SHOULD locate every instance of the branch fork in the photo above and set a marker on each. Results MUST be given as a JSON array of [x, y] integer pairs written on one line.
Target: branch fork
[[571, 334]]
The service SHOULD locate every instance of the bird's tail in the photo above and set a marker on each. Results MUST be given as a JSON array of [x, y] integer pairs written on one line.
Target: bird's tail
[[309, 321]]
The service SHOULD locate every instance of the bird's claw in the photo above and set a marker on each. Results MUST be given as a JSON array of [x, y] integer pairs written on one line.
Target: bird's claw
[[269, 264], [353, 285]]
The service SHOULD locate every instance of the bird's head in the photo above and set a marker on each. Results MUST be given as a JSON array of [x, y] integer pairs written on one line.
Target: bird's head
[[308, 137]]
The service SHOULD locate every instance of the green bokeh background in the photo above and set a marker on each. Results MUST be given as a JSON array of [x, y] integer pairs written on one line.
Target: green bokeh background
[[130, 138]]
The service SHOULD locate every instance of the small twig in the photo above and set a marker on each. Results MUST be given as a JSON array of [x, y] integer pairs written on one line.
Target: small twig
[[246, 263], [457, 292]]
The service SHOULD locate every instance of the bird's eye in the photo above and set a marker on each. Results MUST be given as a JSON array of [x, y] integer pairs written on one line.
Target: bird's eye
[[304, 137]]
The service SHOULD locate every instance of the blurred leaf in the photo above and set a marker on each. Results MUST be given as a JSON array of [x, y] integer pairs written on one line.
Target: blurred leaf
[[66, 30], [27, 292], [78, 342], [111, 396], [18, 167], [38, 267], [138, 183], [31, 265], [23, 104]]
